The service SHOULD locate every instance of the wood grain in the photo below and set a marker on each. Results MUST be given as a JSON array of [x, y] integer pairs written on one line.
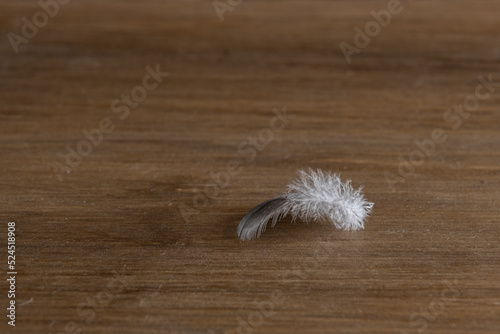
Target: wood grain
[[103, 247]]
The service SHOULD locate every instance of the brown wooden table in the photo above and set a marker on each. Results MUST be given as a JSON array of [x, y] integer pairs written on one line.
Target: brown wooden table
[[109, 165]]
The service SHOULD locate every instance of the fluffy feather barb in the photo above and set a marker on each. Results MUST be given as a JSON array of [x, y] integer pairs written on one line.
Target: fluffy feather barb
[[314, 196]]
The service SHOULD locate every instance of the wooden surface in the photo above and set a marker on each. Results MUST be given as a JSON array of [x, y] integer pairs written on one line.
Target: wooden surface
[[103, 247]]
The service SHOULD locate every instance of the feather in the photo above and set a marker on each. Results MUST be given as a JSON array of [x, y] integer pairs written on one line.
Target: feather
[[314, 196]]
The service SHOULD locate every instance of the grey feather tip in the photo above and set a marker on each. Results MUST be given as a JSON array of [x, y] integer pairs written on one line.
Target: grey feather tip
[[255, 221]]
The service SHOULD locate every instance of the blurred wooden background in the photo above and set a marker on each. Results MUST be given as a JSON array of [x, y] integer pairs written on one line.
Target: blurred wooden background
[[102, 244]]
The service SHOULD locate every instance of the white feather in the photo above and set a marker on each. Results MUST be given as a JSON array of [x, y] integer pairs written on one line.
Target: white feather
[[314, 196]]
